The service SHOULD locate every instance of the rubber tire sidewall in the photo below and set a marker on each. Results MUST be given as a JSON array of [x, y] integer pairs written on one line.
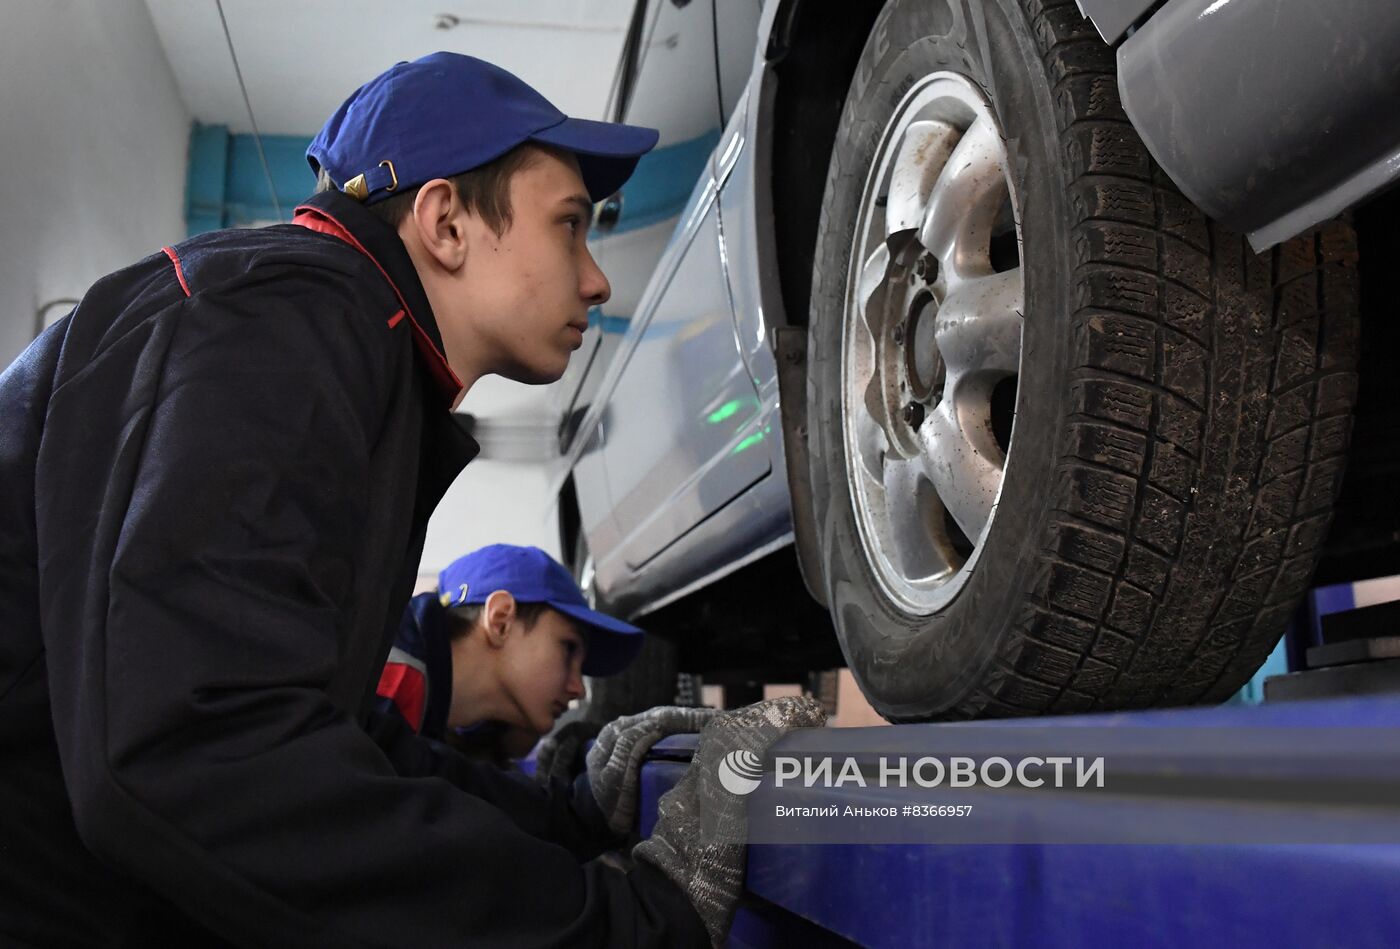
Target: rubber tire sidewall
[[925, 666]]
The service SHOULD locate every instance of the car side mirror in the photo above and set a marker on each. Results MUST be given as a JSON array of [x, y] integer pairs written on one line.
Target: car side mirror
[[608, 213]]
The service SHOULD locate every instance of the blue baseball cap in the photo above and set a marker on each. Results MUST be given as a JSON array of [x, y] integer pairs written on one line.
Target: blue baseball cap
[[446, 114], [532, 576]]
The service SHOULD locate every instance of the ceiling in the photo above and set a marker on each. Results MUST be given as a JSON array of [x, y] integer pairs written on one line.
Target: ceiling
[[301, 59]]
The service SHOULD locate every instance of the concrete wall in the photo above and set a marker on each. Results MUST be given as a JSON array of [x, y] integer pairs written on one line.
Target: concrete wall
[[93, 136]]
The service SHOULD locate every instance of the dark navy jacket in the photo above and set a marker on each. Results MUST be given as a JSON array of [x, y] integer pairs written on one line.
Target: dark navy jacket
[[416, 683], [217, 473]]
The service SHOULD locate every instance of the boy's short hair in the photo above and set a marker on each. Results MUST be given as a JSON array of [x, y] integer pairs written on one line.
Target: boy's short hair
[[484, 191], [461, 620]]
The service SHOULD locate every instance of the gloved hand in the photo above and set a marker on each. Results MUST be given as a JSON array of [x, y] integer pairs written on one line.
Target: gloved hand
[[614, 761], [699, 837], [560, 754]]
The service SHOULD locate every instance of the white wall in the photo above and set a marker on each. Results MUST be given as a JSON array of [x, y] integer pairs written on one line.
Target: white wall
[[93, 143], [491, 503], [494, 502]]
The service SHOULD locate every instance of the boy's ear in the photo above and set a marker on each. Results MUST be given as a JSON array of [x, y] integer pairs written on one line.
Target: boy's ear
[[438, 221], [496, 615]]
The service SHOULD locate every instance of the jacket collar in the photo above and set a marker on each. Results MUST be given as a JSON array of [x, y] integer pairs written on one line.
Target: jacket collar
[[330, 212]]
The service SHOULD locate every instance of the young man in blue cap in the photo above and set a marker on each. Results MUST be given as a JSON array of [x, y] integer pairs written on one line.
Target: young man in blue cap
[[503, 644], [218, 471]]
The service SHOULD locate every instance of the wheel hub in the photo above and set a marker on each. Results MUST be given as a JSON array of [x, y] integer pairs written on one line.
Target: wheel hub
[[923, 366]]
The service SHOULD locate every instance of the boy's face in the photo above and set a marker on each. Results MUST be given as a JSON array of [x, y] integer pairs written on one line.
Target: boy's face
[[541, 669], [518, 304]]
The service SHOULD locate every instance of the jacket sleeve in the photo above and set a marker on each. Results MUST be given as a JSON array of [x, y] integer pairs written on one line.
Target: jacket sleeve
[[561, 813], [201, 482]]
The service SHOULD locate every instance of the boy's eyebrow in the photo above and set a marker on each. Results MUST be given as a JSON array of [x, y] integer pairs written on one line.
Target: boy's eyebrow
[[581, 202]]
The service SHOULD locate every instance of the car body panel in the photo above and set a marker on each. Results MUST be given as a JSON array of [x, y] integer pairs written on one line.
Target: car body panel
[[678, 361], [737, 25], [746, 226], [676, 52], [1113, 18], [662, 409], [679, 412], [1270, 117]]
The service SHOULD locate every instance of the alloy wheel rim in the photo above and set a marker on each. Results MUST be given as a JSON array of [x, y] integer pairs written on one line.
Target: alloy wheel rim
[[931, 342]]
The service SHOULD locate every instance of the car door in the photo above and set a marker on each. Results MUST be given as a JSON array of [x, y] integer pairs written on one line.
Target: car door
[[679, 423], [711, 448], [665, 80], [681, 419]]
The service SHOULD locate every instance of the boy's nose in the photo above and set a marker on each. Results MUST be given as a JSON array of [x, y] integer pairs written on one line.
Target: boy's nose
[[574, 688], [593, 283]]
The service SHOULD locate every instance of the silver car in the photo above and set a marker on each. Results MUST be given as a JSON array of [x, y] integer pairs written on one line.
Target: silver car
[[1015, 348]]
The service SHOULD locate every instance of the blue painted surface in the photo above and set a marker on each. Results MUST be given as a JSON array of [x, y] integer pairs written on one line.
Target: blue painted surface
[[759, 924], [246, 197], [1352, 712], [226, 183], [207, 173], [227, 186], [1075, 895], [1323, 601], [612, 325], [661, 185], [1278, 663]]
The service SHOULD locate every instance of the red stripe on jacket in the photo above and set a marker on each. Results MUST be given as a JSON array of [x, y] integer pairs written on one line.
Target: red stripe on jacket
[[179, 271], [407, 689]]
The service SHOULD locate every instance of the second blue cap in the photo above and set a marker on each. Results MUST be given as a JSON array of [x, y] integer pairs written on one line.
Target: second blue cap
[[532, 576]]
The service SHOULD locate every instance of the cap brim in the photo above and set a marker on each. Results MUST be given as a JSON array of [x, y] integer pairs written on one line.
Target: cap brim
[[607, 152], [612, 644]]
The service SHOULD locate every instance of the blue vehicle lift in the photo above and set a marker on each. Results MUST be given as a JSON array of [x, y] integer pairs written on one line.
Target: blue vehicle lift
[[1336, 882]]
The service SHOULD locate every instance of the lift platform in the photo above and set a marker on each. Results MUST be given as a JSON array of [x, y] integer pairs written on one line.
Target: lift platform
[[1327, 770]]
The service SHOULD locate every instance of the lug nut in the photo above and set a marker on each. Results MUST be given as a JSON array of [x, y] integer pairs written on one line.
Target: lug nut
[[926, 268], [913, 414]]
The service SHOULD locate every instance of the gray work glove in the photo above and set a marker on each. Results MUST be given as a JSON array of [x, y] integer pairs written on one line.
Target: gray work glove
[[699, 837], [615, 760], [560, 754]]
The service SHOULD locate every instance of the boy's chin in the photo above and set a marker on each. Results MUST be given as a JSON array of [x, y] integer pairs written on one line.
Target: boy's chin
[[536, 375]]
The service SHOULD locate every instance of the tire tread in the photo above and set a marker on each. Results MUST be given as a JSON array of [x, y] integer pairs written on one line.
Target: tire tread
[[1143, 437]]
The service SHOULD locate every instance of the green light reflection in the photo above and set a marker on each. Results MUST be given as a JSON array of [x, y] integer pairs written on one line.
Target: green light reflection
[[724, 411]]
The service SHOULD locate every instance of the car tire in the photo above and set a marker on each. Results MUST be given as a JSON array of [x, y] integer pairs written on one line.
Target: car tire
[[1181, 405]]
